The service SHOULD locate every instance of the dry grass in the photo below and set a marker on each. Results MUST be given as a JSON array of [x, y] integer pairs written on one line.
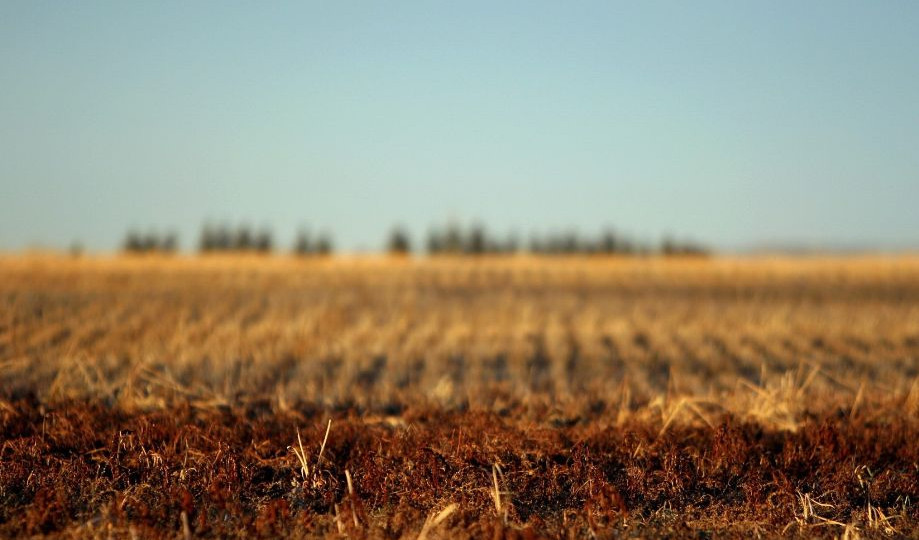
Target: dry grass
[[496, 396]]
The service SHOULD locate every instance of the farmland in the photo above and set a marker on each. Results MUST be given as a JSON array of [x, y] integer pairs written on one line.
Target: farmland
[[459, 397]]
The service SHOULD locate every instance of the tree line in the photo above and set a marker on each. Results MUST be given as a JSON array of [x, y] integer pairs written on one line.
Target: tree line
[[477, 240], [453, 239]]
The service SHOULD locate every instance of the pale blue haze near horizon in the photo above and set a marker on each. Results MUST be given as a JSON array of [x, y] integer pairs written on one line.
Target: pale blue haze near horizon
[[734, 123]]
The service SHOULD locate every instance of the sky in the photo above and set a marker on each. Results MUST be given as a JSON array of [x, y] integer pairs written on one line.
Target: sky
[[738, 124]]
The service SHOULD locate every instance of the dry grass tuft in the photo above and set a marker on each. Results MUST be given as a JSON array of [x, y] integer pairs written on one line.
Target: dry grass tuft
[[314, 478]]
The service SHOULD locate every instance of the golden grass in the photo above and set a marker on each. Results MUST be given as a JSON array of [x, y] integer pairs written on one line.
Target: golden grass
[[673, 340]]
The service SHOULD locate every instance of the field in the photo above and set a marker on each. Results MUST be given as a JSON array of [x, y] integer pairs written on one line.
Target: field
[[459, 397]]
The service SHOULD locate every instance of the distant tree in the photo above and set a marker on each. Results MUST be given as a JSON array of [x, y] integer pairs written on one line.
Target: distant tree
[[553, 245], [263, 242], [169, 243], [207, 239], [223, 238], [399, 242], [609, 243], [150, 242], [303, 244], [453, 239], [476, 240], [133, 243], [477, 243], [669, 246], [698, 250], [570, 243], [244, 240], [324, 245], [435, 242]]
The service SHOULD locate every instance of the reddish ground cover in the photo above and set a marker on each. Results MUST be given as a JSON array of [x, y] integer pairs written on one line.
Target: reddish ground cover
[[87, 469]]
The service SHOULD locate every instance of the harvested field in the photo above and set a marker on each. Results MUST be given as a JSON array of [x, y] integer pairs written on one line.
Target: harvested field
[[516, 397]]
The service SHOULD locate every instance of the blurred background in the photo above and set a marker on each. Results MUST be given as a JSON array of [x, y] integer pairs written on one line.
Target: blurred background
[[781, 125]]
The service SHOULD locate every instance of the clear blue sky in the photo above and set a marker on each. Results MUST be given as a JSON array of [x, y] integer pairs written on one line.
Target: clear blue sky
[[735, 123]]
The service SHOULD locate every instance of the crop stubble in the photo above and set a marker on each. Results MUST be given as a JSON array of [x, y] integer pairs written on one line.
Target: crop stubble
[[526, 396]]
